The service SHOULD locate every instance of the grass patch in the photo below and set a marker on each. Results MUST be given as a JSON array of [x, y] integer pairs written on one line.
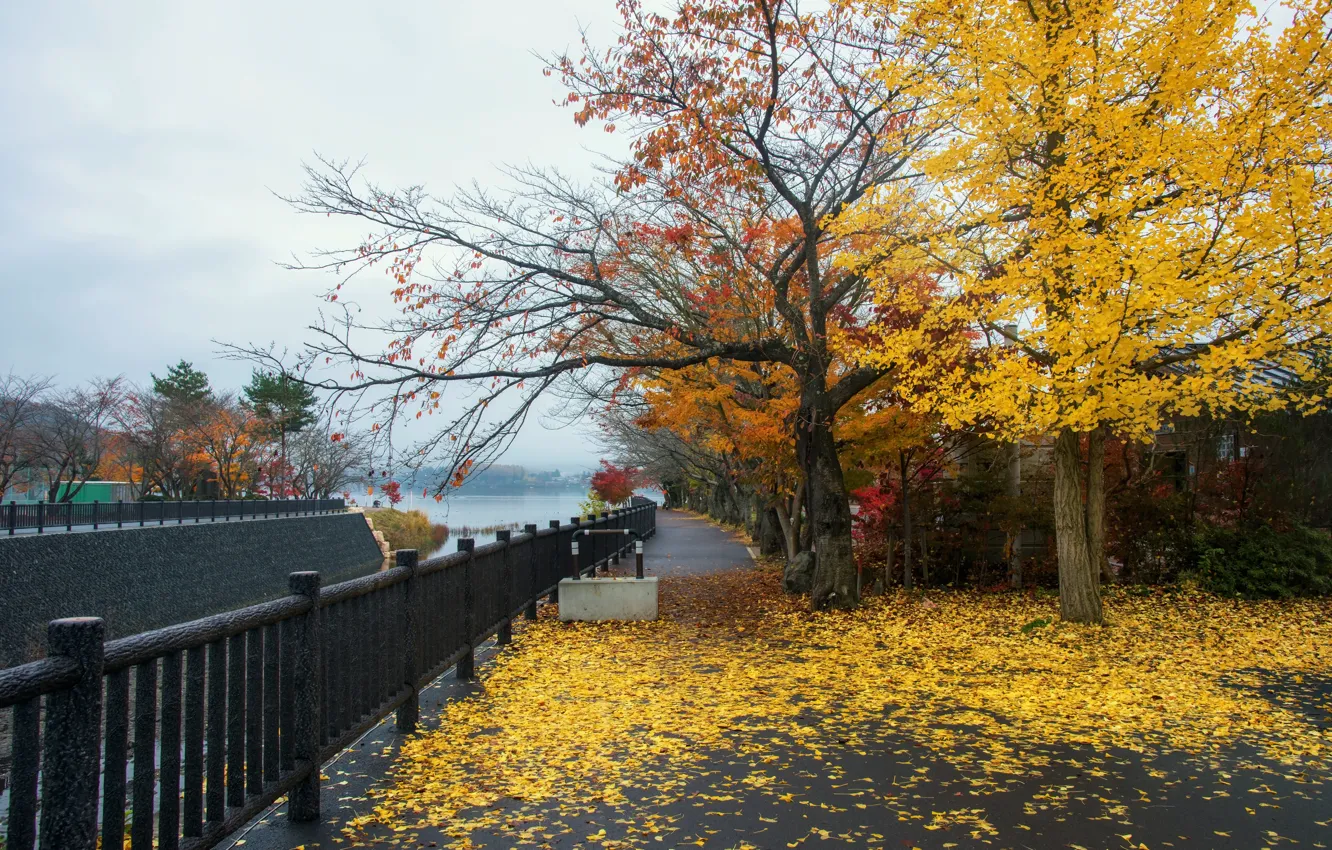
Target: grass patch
[[408, 529]]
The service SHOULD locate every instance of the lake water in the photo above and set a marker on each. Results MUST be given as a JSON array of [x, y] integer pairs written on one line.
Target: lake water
[[485, 511], [492, 512]]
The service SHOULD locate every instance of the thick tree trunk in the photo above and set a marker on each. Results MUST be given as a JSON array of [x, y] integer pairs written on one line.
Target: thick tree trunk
[[835, 578], [1079, 590], [771, 540], [1096, 504]]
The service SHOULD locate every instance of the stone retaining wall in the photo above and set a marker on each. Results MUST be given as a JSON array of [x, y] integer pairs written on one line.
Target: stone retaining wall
[[145, 578]]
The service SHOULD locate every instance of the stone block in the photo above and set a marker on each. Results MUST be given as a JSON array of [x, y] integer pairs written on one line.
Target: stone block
[[597, 599]]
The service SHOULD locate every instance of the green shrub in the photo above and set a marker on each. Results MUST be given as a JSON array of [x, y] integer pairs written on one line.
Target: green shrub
[[1259, 562], [406, 529]]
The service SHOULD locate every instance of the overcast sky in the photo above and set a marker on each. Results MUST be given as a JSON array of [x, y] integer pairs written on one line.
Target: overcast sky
[[140, 144]]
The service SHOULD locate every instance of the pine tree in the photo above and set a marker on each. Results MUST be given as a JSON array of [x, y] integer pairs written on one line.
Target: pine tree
[[285, 406], [183, 385]]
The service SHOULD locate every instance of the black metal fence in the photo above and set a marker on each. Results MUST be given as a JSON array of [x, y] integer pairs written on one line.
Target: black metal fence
[[232, 711], [68, 515]]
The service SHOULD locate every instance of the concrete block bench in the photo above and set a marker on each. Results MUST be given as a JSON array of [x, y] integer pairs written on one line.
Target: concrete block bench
[[598, 599]]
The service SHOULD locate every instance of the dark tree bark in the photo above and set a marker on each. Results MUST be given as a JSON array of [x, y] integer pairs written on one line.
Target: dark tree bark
[[1079, 590], [1096, 504], [835, 577], [770, 539], [1013, 534], [904, 478]]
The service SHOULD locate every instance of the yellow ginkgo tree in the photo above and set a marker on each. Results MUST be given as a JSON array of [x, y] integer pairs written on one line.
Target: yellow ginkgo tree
[[1130, 211]]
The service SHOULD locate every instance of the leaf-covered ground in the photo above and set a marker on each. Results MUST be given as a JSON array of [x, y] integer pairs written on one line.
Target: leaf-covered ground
[[740, 719]]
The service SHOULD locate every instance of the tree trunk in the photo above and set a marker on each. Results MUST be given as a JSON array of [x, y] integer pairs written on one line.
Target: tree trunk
[[1013, 534], [282, 432], [771, 540], [835, 576], [790, 534], [1096, 504], [925, 557], [1079, 591], [754, 518], [795, 534], [904, 481], [889, 558]]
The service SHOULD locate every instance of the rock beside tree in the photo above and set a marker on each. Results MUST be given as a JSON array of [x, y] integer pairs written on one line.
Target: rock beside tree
[[798, 577]]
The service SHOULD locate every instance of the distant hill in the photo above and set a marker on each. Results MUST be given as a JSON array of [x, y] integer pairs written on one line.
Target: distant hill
[[504, 479]]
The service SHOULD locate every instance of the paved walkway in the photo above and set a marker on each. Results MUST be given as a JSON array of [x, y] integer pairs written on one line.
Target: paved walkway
[[683, 546], [910, 777], [688, 546]]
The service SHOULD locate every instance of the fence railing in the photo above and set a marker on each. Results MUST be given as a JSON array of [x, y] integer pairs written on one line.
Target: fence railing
[[231, 712], [44, 516]]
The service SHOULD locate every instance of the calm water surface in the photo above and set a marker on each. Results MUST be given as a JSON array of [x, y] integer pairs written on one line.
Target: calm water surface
[[482, 511], [487, 511]]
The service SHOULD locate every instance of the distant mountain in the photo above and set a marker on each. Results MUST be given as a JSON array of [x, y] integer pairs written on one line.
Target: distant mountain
[[502, 480]]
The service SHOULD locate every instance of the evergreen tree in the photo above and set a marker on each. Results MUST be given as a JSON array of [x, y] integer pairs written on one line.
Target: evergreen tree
[[183, 384], [285, 405]]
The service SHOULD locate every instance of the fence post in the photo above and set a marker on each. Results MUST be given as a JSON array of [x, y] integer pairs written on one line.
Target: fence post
[[96, 507], [72, 755], [531, 612], [466, 668], [69, 516], [616, 524], [593, 547], [13, 517], [555, 549], [41, 515], [303, 801], [504, 636], [410, 710]]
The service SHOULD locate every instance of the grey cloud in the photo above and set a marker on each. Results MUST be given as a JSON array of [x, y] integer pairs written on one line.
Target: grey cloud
[[140, 144]]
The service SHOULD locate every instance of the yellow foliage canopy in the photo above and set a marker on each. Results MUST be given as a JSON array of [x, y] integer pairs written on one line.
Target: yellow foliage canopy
[[1141, 187]]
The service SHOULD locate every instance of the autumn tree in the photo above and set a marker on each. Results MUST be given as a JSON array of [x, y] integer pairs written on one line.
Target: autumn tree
[[225, 439], [321, 466], [753, 124], [613, 484], [737, 421], [21, 398], [1141, 188], [674, 461], [69, 435], [156, 443]]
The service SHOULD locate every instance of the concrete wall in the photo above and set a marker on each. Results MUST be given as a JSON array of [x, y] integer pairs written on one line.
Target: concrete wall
[[598, 599], [145, 578]]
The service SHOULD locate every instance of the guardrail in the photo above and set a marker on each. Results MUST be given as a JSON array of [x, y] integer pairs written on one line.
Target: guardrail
[[233, 711], [68, 515]]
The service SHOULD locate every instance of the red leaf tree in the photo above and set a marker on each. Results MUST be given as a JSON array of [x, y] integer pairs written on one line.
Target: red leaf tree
[[613, 484]]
